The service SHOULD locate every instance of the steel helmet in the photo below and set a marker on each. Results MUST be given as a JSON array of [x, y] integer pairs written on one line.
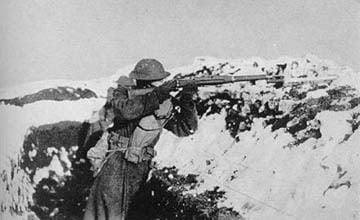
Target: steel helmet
[[125, 81], [149, 69]]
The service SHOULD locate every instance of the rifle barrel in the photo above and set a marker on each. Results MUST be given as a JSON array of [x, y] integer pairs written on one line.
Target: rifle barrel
[[216, 80]]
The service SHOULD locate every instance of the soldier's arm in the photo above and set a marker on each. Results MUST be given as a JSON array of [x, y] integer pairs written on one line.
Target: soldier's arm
[[184, 121], [127, 109]]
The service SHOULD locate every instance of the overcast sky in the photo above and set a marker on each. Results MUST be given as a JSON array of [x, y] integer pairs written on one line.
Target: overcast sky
[[82, 39]]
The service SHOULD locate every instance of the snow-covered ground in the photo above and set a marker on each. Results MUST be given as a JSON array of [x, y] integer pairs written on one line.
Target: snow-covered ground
[[318, 179], [265, 181]]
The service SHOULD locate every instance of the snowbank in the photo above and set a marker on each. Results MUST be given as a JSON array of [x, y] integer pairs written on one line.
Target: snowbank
[[262, 180], [17, 120]]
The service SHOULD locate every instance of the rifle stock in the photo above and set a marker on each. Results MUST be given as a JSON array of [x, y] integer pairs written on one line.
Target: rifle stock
[[217, 80]]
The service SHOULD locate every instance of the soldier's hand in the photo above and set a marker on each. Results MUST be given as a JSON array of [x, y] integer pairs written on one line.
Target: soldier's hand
[[188, 93], [190, 88], [163, 91], [169, 85]]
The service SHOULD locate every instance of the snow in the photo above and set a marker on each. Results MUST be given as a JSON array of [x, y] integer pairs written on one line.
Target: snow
[[17, 120], [277, 182], [55, 166], [261, 178], [349, 77], [70, 89], [316, 94]]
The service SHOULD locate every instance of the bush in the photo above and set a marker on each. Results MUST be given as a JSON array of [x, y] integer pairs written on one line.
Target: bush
[[164, 197]]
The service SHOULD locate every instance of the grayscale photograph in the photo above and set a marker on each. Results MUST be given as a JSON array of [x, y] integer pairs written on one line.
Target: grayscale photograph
[[180, 110]]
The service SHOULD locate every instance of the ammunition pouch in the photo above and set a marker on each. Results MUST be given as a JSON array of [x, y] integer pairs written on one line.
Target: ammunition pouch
[[147, 133], [149, 153], [136, 154], [117, 142], [144, 137]]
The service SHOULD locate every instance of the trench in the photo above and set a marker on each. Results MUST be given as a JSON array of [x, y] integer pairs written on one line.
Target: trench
[[63, 196]]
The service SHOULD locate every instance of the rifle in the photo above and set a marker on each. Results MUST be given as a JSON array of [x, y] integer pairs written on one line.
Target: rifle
[[278, 80]]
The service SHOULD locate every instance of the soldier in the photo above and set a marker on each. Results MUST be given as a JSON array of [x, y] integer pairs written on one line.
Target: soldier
[[137, 127], [101, 119], [106, 114], [101, 123]]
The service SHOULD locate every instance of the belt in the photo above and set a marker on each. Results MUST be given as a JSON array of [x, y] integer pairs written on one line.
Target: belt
[[118, 143], [122, 150]]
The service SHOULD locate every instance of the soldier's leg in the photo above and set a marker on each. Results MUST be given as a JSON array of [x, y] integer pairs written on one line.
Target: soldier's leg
[[137, 174], [115, 188], [95, 204], [106, 200]]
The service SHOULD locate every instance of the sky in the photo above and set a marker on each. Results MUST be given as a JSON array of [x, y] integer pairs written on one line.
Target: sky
[[64, 39]]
